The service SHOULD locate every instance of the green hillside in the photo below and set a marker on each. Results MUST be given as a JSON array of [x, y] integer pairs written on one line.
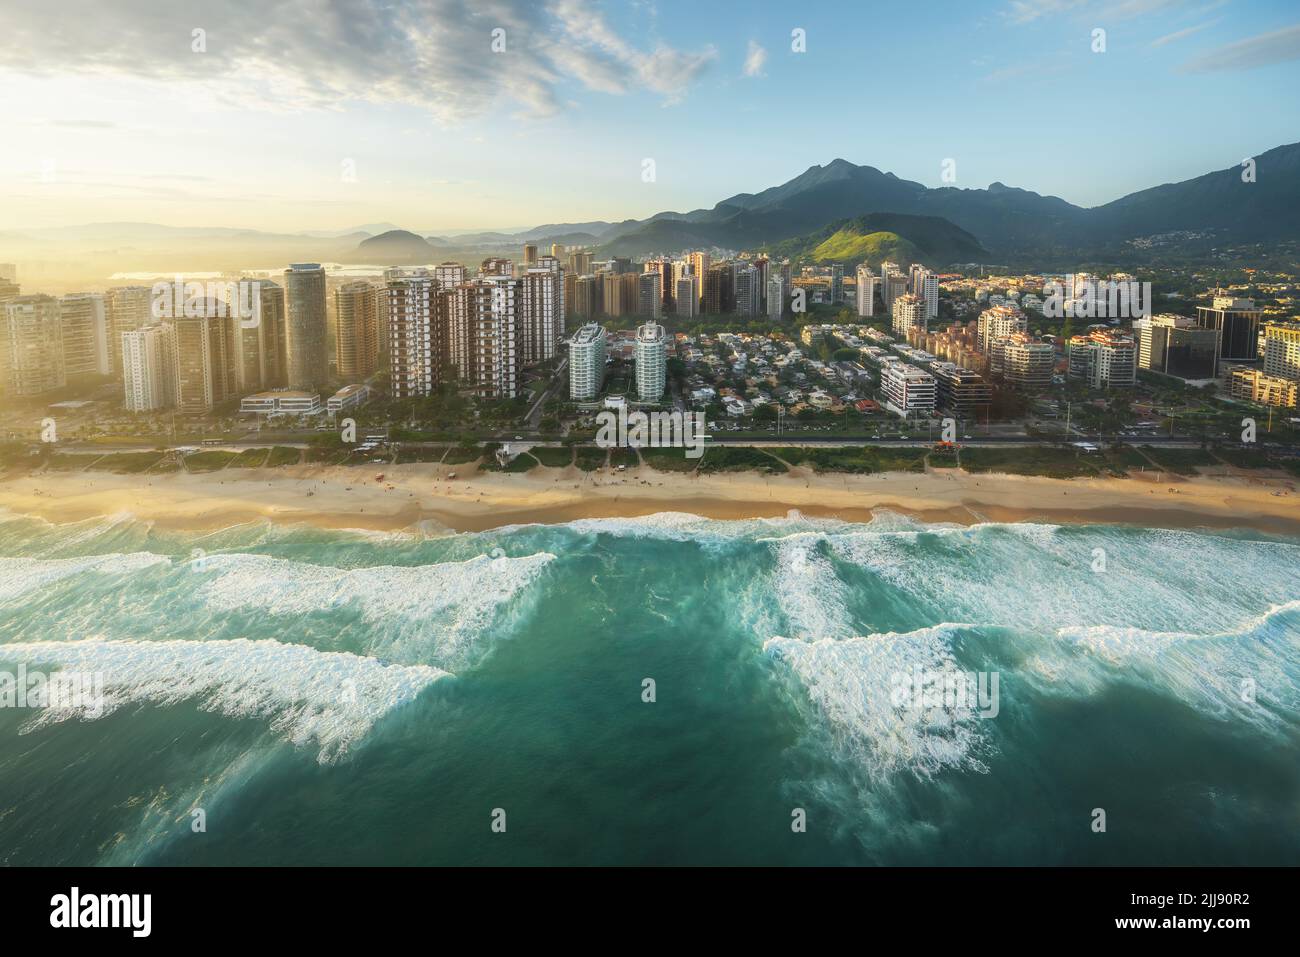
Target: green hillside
[[846, 244], [901, 238]]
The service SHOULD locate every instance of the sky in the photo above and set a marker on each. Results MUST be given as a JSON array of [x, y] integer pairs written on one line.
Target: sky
[[440, 115]]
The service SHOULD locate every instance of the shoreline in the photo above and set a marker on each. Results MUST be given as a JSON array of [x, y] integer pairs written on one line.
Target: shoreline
[[337, 497]]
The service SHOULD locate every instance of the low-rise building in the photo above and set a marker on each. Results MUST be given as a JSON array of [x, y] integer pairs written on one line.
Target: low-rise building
[[349, 397], [282, 402]]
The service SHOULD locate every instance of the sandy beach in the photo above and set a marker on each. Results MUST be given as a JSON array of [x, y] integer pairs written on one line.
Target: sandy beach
[[352, 497]]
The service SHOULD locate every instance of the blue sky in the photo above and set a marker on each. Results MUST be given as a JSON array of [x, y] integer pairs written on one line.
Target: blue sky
[[315, 114]]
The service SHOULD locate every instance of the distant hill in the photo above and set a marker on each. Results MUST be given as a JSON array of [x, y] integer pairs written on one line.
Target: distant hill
[[880, 236], [396, 245]]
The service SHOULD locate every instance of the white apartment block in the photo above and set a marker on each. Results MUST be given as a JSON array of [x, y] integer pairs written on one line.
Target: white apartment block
[[776, 296], [686, 295], [867, 284], [908, 390], [927, 288], [909, 313], [651, 361], [587, 352], [999, 322], [147, 371]]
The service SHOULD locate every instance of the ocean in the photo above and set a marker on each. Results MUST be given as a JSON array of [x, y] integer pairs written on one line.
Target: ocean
[[667, 690]]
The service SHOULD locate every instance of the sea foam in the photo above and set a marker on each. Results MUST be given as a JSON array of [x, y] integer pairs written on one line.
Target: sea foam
[[849, 682], [455, 602], [329, 700], [20, 576]]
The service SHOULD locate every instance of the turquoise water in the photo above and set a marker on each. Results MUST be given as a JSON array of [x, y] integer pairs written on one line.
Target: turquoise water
[[352, 697]]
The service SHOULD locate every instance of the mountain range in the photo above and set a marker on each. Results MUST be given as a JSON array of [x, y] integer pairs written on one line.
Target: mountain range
[[1006, 221], [939, 225]]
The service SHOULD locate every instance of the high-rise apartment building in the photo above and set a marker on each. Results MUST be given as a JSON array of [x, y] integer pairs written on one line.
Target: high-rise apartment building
[[579, 261], [775, 296], [908, 313], [357, 330], [927, 288], [649, 300], [1023, 361], [587, 352], [686, 297], [450, 274], [998, 322], [496, 267], [1282, 350], [698, 263], [272, 336], [530, 254], [962, 392], [86, 349], [651, 361], [148, 368], [837, 283], [202, 366], [892, 286], [907, 390], [587, 296], [866, 292], [306, 348], [31, 346], [719, 294], [484, 340], [417, 334], [540, 322], [127, 308], [1103, 359], [749, 290], [611, 294]]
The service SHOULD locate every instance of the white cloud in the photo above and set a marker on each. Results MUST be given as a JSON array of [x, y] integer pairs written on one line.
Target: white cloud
[[1026, 11], [755, 59], [319, 54], [1280, 46], [1181, 34]]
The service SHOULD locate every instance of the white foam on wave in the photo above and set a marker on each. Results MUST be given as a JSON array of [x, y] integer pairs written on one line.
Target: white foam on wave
[[687, 526], [811, 596], [457, 600], [327, 699], [850, 683], [21, 576], [1251, 672], [1045, 577]]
